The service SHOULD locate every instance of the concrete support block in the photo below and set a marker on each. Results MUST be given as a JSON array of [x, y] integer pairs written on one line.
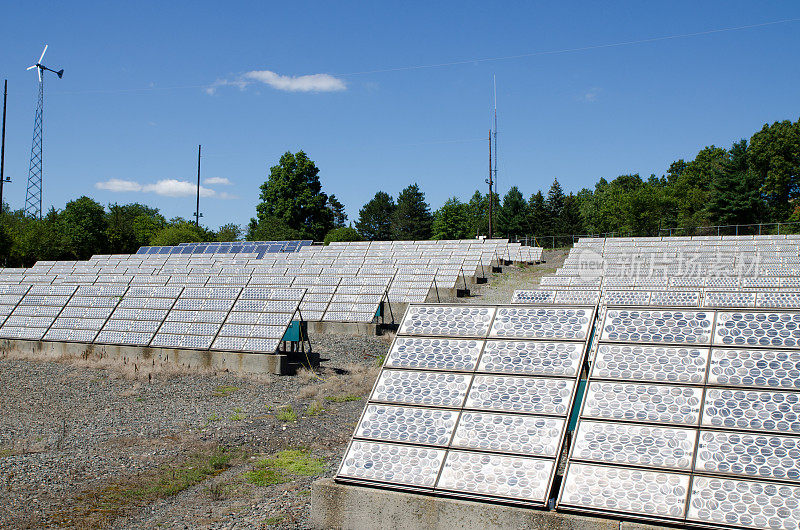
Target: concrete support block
[[139, 356], [344, 506]]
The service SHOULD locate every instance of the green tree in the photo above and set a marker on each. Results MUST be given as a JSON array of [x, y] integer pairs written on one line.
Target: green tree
[[179, 230], [735, 196], [375, 218], [337, 210], [83, 225], [122, 234], [228, 232], [774, 156], [538, 220], [412, 218], [343, 233], [554, 206], [271, 229], [512, 219], [293, 195], [691, 185], [452, 220]]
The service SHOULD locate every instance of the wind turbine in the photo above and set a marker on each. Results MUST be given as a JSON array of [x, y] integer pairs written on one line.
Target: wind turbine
[[33, 196]]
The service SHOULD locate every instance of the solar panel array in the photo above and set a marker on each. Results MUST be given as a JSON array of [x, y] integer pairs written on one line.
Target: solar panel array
[[199, 318], [691, 416], [472, 401], [235, 247]]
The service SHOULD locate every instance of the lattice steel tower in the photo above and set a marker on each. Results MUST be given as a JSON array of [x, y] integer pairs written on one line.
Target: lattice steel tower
[[33, 195]]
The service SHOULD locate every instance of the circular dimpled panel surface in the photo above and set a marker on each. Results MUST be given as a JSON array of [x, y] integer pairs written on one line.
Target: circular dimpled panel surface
[[639, 445], [395, 464], [520, 394], [541, 323], [531, 357], [625, 490], [650, 363], [626, 298], [509, 433], [675, 298], [777, 299], [752, 410], [744, 503], [447, 321], [421, 388], [750, 455], [441, 354], [729, 299], [496, 475], [407, 424], [642, 402], [778, 369], [661, 327], [533, 297], [781, 330]]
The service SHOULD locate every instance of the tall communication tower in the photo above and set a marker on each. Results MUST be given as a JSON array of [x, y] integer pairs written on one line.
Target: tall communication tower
[[33, 196]]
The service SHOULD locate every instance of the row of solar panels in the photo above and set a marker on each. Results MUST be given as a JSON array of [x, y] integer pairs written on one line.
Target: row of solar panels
[[329, 299], [663, 298], [255, 247], [687, 417], [612, 241], [252, 319], [675, 282]]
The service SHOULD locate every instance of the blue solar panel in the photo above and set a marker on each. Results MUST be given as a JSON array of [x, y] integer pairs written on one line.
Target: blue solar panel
[[249, 248], [306, 243], [274, 248], [187, 250], [210, 250], [224, 248], [143, 250], [164, 250], [200, 249]]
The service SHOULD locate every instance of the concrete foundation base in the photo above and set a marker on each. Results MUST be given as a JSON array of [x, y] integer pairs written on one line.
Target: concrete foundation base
[[342, 328], [139, 357], [344, 506]]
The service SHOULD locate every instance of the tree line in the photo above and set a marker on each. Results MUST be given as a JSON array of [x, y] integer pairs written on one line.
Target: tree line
[[754, 181]]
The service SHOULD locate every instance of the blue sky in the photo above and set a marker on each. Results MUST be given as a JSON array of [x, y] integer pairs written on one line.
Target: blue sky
[[146, 82]]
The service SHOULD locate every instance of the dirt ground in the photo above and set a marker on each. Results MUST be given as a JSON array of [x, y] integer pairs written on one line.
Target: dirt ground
[[87, 447]]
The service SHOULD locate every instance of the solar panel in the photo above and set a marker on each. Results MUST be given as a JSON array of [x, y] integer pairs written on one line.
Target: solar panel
[[488, 405]]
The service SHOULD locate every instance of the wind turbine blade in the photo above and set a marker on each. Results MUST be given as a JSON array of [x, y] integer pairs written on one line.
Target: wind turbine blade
[[31, 67], [43, 52], [39, 72]]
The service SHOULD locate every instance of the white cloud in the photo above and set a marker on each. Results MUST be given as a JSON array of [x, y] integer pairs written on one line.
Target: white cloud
[[590, 96], [303, 83], [163, 187], [118, 185], [220, 181], [177, 188], [287, 83]]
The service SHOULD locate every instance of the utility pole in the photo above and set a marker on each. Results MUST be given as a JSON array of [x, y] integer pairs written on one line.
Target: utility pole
[[489, 181], [3, 146], [197, 211]]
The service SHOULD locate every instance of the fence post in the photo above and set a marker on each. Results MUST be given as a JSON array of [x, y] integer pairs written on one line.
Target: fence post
[[779, 229], [759, 228]]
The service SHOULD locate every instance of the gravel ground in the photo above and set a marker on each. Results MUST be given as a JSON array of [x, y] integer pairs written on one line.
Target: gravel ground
[[80, 446]]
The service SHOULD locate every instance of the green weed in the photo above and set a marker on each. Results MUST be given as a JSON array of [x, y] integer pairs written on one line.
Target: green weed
[[343, 398], [286, 414], [283, 466]]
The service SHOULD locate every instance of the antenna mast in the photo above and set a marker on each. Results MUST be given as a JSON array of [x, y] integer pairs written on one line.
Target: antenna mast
[[489, 182], [197, 211], [494, 82]]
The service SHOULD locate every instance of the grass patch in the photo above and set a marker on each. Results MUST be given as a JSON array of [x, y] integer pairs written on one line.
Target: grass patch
[[355, 379], [283, 467], [99, 507], [222, 391], [5, 452], [380, 359], [314, 409], [344, 398], [287, 414], [237, 415], [274, 521]]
